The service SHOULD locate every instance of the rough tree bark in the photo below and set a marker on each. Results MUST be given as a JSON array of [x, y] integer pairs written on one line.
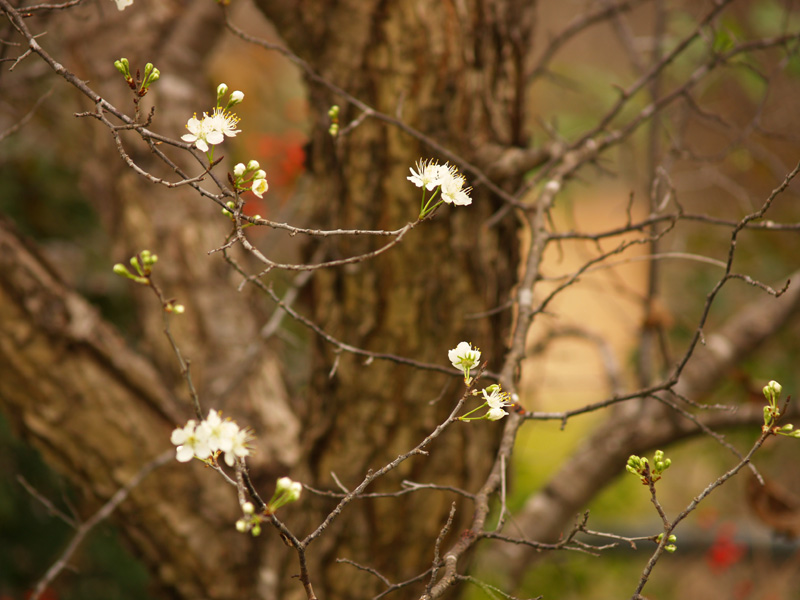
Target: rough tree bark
[[455, 72]]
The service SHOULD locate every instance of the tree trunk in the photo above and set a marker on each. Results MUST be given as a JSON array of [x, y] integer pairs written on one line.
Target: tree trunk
[[416, 300], [97, 409]]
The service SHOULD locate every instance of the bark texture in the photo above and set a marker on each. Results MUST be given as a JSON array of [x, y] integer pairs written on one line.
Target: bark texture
[[454, 72]]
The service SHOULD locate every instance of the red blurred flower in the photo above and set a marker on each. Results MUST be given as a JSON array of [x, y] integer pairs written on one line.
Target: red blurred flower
[[725, 552]]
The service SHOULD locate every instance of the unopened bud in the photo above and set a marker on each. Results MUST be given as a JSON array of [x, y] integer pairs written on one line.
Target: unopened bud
[[236, 98]]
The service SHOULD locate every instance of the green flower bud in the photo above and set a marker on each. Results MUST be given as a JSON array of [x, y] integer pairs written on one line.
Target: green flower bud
[[670, 548], [135, 264], [222, 89], [155, 75], [333, 112], [123, 67], [121, 269], [776, 387]]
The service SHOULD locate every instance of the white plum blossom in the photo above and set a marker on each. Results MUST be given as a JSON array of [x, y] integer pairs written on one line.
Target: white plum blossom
[[202, 132], [212, 435], [452, 189], [211, 129], [220, 434], [225, 122], [464, 357], [428, 174], [260, 186], [190, 442], [238, 447], [497, 399], [123, 4]]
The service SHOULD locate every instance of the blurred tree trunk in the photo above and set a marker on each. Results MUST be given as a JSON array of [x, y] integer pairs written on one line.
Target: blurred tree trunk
[[398, 57], [454, 72], [94, 405]]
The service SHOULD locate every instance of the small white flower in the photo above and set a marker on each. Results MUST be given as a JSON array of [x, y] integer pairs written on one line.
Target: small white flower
[[224, 122], [123, 4], [219, 434], [497, 398], [452, 188], [239, 169], [427, 174], [202, 132], [239, 447], [495, 414], [191, 441], [248, 508], [464, 357], [260, 186]]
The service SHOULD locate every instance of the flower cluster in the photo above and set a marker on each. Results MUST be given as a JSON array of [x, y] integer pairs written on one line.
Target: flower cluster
[[495, 399], [250, 177], [772, 413], [450, 183], [138, 84], [640, 466], [142, 264], [670, 547], [465, 358], [212, 129], [209, 437], [286, 491]]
